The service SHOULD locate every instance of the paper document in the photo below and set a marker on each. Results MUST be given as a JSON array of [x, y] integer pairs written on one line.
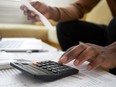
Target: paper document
[[42, 17], [5, 60], [95, 78]]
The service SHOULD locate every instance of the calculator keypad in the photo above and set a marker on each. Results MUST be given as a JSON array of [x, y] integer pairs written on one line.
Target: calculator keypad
[[53, 66]]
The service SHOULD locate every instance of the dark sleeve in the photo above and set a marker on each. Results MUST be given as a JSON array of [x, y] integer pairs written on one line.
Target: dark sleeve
[[113, 71]]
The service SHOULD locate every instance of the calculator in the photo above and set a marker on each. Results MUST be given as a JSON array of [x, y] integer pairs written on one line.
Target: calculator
[[45, 70]]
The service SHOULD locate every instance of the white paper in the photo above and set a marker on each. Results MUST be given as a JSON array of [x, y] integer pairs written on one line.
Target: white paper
[[42, 17], [95, 78], [5, 60]]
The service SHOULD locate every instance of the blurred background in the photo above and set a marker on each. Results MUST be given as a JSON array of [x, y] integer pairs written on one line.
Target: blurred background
[[10, 10]]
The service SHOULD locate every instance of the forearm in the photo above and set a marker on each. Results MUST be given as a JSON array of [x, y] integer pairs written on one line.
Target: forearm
[[76, 10]]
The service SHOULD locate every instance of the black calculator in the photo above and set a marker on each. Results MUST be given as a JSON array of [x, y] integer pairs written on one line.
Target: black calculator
[[45, 70]]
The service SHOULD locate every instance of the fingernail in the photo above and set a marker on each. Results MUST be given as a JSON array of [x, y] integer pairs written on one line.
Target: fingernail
[[76, 62], [37, 18], [25, 9], [63, 59], [32, 14], [89, 68]]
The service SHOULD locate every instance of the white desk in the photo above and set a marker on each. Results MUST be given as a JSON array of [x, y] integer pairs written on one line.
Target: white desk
[[48, 47], [14, 78]]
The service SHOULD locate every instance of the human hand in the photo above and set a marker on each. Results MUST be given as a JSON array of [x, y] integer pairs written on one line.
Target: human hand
[[96, 55], [41, 7]]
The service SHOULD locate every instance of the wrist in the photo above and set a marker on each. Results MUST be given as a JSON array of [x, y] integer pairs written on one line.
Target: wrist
[[112, 47], [111, 54]]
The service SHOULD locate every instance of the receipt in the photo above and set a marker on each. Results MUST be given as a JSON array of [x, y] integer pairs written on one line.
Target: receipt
[[44, 20]]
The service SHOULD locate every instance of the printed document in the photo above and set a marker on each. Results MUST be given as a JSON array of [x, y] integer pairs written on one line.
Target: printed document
[[15, 78]]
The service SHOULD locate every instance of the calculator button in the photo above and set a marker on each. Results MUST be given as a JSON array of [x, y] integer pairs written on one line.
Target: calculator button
[[54, 71], [53, 68], [39, 65], [43, 64], [59, 70], [48, 66], [44, 67], [49, 69]]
